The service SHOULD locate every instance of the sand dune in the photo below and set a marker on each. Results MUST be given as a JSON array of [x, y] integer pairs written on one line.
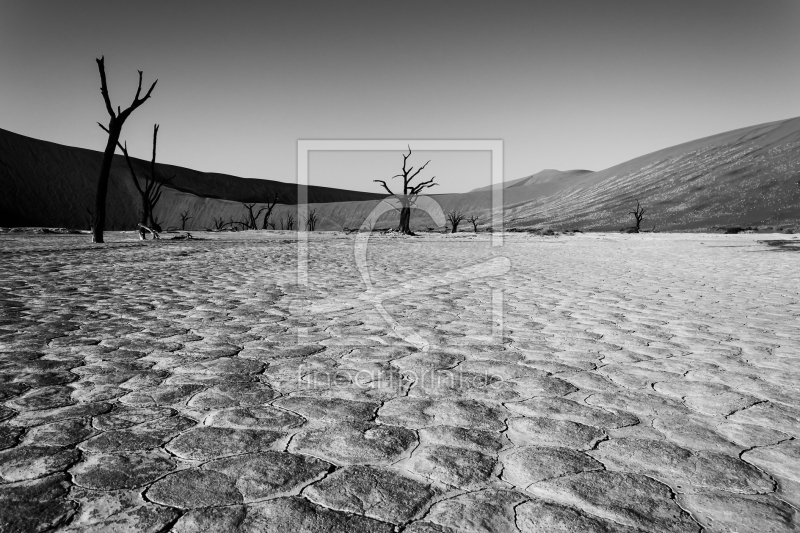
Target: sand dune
[[743, 177], [48, 184]]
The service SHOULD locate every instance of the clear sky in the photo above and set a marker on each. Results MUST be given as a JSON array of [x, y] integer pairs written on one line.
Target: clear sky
[[566, 84]]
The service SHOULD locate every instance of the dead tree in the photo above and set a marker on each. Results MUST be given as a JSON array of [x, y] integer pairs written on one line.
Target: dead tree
[[232, 223], [114, 129], [154, 194], [638, 214], [184, 217], [251, 220], [219, 223], [288, 225], [268, 215], [409, 192], [474, 220], [454, 217], [311, 221], [151, 193]]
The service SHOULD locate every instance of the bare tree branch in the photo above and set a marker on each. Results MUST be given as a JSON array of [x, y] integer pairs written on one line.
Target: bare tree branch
[[124, 149], [423, 185], [130, 167], [139, 88], [156, 195], [269, 208], [136, 101], [155, 140], [474, 220], [104, 86], [385, 186], [418, 171], [155, 199], [107, 98]]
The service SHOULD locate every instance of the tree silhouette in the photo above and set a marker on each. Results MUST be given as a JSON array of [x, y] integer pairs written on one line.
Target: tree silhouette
[[474, 220], [454, 217], [219, 223], [151, 193], [251, 220], [409, 192], [311, 221], [184, 217], [114, 129], [269, 208], [638, 214]]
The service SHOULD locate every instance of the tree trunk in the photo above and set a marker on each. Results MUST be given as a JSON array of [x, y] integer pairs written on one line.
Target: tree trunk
[[153, 224], [405, 221], [143, 222], [114, 130]]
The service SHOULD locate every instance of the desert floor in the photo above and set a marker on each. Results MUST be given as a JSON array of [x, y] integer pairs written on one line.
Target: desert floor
[[591, 383]]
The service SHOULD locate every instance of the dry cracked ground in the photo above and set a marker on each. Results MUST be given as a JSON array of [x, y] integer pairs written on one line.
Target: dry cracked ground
[[638, 383]]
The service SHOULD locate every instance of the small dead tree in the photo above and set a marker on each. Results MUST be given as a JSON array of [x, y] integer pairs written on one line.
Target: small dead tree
[[474, 221], [151, 193], [233, 223], [268, 215], [289, 222], [409, 192], [454, 217], [311, 221], [638, 214], [219, 223], [251, 220], [184, 217], [114, 130]]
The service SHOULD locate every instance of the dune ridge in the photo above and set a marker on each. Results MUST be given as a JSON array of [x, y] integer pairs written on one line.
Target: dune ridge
[[744, 177]]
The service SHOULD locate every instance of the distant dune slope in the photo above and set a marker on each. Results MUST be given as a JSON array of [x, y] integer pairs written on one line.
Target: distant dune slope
[[739, 178], [742, 177], [48, 184], [548, 181]]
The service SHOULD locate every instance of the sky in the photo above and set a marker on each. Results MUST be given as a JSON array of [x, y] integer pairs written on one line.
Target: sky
[[565, 84]]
